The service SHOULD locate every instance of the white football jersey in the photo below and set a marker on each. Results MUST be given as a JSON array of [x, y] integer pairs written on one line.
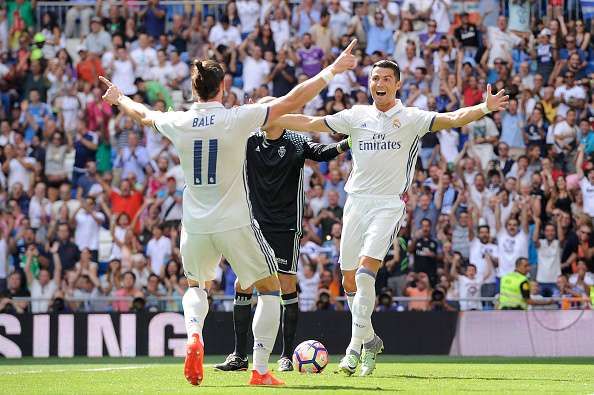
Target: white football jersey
[[384, 146], [211, 142]]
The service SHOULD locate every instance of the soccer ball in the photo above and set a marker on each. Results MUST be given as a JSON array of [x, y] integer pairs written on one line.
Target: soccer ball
[[310, 357]]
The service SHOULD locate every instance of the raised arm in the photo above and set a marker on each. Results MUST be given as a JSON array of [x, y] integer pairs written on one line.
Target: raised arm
[[579, 166], [57, 264], [463, 116], [307, 90], [536, 234]]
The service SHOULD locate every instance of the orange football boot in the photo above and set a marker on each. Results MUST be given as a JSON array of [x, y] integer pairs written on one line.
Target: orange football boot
[[193, 369], [264, 379]]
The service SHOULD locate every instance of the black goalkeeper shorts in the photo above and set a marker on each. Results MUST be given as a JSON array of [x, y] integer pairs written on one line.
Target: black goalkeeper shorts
[[286, 249]]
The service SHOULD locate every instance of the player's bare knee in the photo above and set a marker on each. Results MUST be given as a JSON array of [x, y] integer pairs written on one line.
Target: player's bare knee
[[371, 264], [193, 283], [288, 283], [268, 284]]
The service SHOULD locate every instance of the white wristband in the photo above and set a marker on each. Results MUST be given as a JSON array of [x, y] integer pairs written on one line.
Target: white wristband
[[484, 108], [327, 75]]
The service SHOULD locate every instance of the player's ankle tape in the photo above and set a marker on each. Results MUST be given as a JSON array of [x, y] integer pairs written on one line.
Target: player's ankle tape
[[243, 299]]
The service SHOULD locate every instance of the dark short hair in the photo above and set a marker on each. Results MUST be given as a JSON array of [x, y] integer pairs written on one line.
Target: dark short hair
[[471, 265], [130, 273], [206, 77], [388, 64], [485, 227], [520, 259], [427, 220]]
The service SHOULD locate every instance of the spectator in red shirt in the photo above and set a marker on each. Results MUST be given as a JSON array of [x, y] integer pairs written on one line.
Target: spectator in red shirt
[[89, 67], [125, 199]]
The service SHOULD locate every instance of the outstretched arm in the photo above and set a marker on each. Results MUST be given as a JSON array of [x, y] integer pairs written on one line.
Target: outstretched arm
[[302, 123], [137, 111], [463, 116], [325, 152], [307, 90]]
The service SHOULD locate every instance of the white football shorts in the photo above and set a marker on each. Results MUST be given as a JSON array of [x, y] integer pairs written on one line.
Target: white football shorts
[[370, 224], [245, 248]]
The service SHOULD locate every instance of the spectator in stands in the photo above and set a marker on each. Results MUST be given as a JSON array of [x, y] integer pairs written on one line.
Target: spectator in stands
[[87, 221], [425, 250], [51, 110], [127, 290], [158, 250], [418, 289]]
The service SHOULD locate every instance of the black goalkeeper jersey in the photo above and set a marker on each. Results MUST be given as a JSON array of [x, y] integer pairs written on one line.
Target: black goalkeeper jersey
[[275, 177]]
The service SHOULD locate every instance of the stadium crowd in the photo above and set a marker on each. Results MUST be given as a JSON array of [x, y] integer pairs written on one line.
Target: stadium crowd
[[91, 202]]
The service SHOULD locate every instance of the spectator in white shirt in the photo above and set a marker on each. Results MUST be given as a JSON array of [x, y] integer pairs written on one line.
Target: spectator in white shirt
[[281, 29], [255, 68], [158, 250], [512, 241], [309, 282], [502, 41], [469, 284], [249, 12], [569, 95], [42, 287], [162, 72], [87, 223], [582, 278], [18, 166], [483, 255], [180, 71], [586, 183], [122, 71], [549, 255], [39, 207], [224, 34], [144, 56]]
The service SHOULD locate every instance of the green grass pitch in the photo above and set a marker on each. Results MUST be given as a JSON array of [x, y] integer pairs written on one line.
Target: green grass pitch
[[394, 374]]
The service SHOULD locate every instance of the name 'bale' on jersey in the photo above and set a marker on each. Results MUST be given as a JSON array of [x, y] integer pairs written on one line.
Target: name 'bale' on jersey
[[211, 142], [385, 146], [275, 177]]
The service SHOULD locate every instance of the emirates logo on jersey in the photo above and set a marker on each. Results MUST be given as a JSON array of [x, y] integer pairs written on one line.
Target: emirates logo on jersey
[[282, 151], [396, 122]]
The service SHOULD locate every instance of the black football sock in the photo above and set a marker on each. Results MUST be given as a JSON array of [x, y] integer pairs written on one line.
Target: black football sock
[[242, 321], [289, 321]]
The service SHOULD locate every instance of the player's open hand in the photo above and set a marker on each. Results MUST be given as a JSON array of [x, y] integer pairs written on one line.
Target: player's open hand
[[498, 101], [346, 60], [113, 93]]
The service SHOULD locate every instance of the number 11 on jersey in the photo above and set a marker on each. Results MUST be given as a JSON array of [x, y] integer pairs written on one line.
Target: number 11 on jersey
[[211, 159]]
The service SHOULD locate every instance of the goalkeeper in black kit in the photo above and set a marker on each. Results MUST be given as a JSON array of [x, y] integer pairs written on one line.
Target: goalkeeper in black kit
[[274, 169]]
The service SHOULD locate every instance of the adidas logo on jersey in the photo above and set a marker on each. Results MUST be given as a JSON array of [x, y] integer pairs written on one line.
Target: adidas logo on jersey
[[363, 125]]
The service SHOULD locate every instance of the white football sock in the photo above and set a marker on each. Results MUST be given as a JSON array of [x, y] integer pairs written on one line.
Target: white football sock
[[265, 328], [363, 306], [195, 303]]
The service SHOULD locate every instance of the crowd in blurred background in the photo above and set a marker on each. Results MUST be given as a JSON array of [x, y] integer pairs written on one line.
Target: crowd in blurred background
[[91, 202]]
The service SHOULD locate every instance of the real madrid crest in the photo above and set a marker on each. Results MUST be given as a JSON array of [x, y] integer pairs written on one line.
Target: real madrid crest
[[282, 151], [396, 122]]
